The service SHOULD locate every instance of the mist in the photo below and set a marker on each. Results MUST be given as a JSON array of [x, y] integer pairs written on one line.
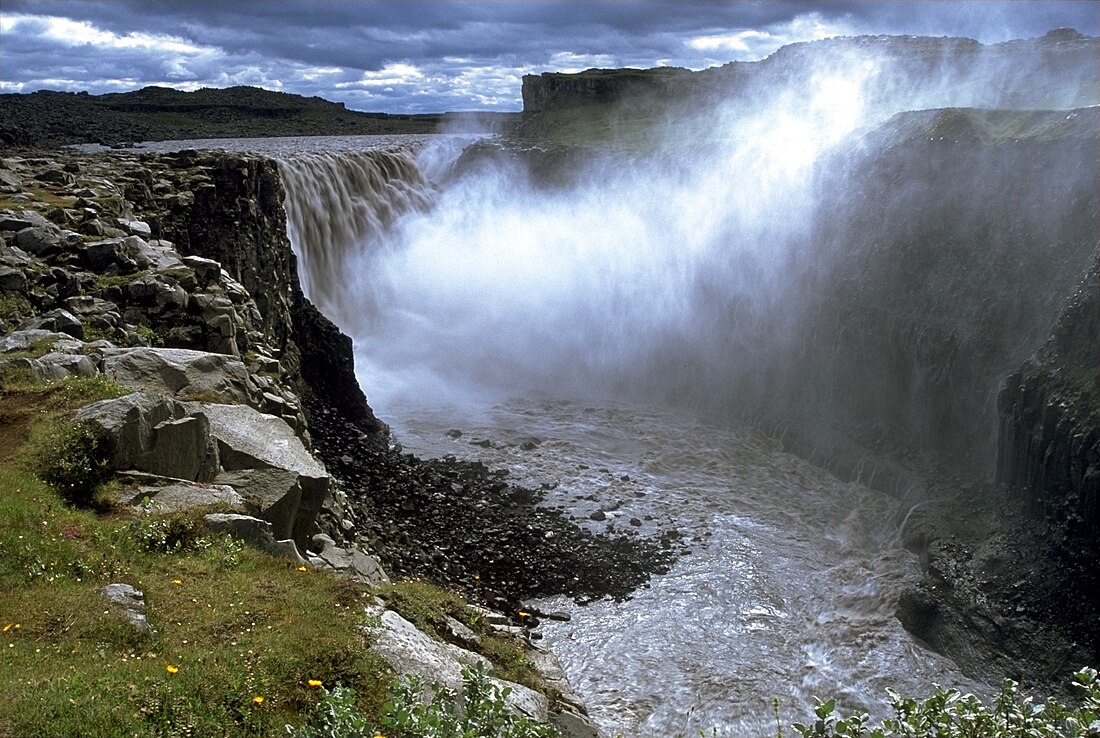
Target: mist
[[730, 268]]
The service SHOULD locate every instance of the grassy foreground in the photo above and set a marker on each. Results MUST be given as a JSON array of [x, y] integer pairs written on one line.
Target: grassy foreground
[[236, 640]]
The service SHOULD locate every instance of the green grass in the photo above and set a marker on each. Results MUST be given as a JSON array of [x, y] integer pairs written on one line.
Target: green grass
[[234, 624]]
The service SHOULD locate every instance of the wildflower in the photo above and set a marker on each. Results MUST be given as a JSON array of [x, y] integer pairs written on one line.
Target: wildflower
[[177, 581], [302, 568], [315, 682], [12, 626], [172, 669], [523, 614], [258, 699]]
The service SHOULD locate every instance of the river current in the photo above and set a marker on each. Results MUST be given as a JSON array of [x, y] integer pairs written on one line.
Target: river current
[[791, 577]]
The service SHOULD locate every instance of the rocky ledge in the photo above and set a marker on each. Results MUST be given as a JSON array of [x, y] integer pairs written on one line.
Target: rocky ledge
[[172, 275]]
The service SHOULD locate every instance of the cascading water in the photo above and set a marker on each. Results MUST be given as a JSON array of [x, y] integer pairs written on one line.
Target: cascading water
[[603, 318]]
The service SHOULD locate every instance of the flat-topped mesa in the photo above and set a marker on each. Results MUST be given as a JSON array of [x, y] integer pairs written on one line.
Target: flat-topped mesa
[[1016, 73]]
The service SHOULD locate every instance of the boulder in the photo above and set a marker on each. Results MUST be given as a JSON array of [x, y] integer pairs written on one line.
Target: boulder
[[207, 271], [249, 440], [59, 321], [23, 340], [409, 651], [181, 495], [351, 563], [182, 449], [55, 367], [11, 279], [129, 601], [125, 255], [274, 494], [254, 532], [41, 241], [181, 373], [131, 422]]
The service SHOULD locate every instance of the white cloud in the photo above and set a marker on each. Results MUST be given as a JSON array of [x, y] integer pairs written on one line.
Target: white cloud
[[567, 61], [391, 74], [737, 41], [82, 33]]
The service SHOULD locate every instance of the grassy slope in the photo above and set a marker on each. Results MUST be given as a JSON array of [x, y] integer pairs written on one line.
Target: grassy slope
[[235, 625]]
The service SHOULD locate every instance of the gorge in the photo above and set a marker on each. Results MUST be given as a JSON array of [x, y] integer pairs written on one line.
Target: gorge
[[829, 331]]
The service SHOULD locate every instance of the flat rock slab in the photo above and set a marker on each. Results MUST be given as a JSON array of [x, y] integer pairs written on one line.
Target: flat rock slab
[[184, 496], [410, 651]]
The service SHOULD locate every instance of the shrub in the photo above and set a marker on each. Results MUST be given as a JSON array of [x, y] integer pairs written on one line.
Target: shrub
[[950, 714], [76, 460], [481, 713]]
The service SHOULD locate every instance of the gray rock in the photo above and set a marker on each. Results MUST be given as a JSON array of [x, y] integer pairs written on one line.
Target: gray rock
[[24, 219], [182, 449], [135, 227], [9, 178], [55, 367], [351, 562], [274, 494], [409, 651], [254, 532], [181, 373], [41, 241], [22, 340], [207, 271], [127, 255], [11, 279], [132, 422], [58, 321], [128, 600], [55, 176], [248, 439], [183, 496]]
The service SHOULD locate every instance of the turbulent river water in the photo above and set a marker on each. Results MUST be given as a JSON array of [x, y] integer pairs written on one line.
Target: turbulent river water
[[791, 577]]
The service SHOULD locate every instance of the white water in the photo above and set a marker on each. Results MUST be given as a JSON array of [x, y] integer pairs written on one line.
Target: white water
[[789, 591]]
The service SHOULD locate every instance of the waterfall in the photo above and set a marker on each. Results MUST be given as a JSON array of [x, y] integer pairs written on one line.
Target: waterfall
[[337, 201]]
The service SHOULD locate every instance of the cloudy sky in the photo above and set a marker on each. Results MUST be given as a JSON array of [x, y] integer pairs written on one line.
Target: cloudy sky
[[435, 55]]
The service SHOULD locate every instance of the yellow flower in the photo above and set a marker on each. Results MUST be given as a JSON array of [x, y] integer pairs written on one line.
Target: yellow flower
[[258, 699], [177, 581], [172, 669], [11, 626], [303, 568], [315, 682], [523, 614]]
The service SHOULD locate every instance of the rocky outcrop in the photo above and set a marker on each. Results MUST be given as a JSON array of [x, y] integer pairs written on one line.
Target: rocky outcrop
[[1049, 442]]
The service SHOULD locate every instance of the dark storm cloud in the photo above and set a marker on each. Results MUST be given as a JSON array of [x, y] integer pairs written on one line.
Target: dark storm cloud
[[418, 55]]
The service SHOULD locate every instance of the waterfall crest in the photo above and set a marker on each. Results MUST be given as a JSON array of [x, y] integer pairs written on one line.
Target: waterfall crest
[[336, 200]]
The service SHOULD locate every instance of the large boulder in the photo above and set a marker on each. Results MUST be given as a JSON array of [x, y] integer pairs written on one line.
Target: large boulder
[[255, 532], [268, 464], [182, 373], [154, 434]]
